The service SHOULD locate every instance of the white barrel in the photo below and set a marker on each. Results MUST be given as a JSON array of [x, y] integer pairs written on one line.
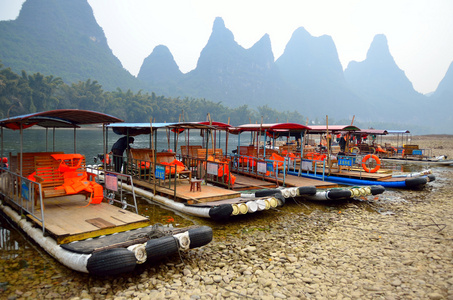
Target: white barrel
[[252, 206], [261, 204]]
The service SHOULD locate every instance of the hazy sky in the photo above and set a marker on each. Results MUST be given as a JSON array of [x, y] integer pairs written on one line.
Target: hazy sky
[[419, 32]]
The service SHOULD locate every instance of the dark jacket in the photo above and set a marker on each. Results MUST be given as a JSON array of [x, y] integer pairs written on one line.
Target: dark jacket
[[121, 145]]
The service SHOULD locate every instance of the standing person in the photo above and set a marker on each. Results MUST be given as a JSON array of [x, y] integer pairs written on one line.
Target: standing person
[[118, 150], [343, 143]]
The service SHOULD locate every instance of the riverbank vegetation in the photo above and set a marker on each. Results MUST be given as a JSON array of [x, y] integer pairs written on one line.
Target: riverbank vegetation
[[27, 93]]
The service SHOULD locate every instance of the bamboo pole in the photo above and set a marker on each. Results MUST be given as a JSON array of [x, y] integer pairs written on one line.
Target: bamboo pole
[[226, 139], [154, 154], [258, 138], [328, 142]]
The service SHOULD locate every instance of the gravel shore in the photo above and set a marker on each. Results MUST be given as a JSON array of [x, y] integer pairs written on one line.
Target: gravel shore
[[396, 246]]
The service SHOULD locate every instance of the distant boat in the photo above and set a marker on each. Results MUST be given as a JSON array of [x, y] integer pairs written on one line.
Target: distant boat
[[404, 152]]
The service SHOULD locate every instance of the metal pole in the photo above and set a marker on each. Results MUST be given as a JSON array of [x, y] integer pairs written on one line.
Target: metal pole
[[2, 143], [104, 146], [75, 142], [21, 147]]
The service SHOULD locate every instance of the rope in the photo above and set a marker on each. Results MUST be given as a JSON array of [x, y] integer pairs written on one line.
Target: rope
[[179, 250], [157, 231]]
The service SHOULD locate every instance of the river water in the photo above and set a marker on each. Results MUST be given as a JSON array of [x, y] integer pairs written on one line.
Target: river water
[[25, 266]]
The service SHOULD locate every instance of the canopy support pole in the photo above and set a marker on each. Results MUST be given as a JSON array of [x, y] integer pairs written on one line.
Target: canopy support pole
[[75, 141]]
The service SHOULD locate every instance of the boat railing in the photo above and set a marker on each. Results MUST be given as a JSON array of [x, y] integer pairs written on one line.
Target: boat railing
[[309, 167], [215, 170], [23, 193], [115, 191], [264, 168], [158, 175], [139, 168]]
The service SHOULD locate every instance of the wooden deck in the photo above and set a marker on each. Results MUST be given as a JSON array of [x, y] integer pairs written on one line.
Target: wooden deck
[[70, 219], [226, 201], [208, 193], [218, 195], [247, 183], [295, 181], [378, 176]]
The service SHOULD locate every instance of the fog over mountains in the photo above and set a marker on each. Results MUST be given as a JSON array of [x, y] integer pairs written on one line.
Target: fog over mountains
[[62, 38]]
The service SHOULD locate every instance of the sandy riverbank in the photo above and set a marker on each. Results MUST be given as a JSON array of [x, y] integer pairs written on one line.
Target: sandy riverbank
[[396, 246]]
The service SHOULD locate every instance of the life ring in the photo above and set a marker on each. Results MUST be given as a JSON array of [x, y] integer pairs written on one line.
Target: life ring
[[366, 158], [354, 150]]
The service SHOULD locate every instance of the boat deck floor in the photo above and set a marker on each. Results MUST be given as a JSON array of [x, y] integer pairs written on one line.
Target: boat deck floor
[[296, 181], [208, 193], [250, 183], [225, 201], [244, 182], [71, 218], [378, 176]]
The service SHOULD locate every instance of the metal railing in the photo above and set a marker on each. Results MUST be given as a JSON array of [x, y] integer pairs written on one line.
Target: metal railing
[[266, 169], [309, 167], [25, 194], [114, 188]]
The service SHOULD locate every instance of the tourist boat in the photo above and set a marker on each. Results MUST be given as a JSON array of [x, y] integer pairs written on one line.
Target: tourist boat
[[276, 160], [401, 151], [350, 167], [306, 158], [263, 157], [88, 227], [195, 179], [329, 194]]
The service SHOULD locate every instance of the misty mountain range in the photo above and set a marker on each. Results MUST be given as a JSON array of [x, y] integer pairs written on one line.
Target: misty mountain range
[[62, 38]]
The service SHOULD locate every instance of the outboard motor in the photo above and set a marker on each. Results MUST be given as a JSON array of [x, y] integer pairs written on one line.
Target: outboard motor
[[101, 159]]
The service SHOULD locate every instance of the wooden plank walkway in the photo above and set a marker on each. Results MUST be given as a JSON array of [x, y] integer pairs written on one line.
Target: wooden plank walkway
[[296, 181], [70, 219], [226, 201], [183, 193], [246, 183], [362, 175]]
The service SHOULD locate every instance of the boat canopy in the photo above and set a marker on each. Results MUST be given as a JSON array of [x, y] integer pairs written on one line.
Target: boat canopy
[[332, 128], [271, 128], [218, 125], [372, 131], [398, 131], [134, 129], [59, 118]]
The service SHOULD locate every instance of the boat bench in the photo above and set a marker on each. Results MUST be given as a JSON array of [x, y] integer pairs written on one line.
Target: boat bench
[[365, 148], [50, 177], [143, 160], [217, 153], [169, 157], [143, 154], [28, 162], [412, 150], [189, 155]]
